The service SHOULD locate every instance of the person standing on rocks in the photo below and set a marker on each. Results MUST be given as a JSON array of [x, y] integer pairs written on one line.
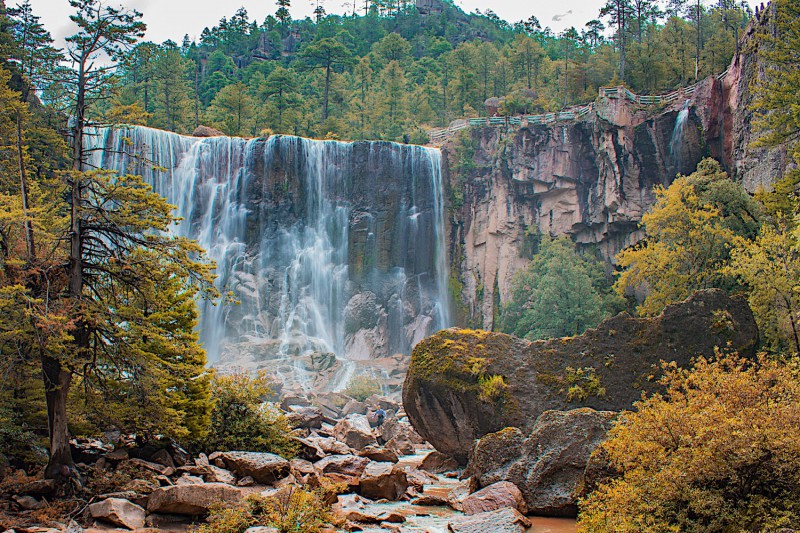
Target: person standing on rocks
[[376, 419]]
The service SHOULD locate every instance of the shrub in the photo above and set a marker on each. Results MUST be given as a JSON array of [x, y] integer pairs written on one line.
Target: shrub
[[242, 420], [719, 451], [291, 511], [491, 387], [362, 386]]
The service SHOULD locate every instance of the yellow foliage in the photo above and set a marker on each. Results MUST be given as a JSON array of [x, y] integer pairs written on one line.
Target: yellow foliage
[[719, 451]]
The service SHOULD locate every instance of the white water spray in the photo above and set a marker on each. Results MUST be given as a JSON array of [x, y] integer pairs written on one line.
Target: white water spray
[[327, 246]]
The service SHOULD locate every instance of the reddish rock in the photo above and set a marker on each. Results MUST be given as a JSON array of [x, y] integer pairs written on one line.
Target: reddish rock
[[506, 520], [383, 481], [495, 496], [438, 463], [381, 455], [355, 432], [347, 465], [263, 467], [206, 131]]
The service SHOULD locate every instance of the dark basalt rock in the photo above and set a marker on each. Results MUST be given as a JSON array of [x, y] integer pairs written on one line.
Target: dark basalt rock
[[606, 368]]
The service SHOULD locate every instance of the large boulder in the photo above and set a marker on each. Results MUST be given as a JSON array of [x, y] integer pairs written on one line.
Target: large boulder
[[463, 384], [355, 432], [548, 465], [191, 499], [383, 481], [119, 512], [262, 467]]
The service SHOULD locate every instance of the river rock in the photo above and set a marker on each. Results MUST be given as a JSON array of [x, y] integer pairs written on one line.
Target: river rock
[[383, 481], [120, 512], [330, 445], [548, 465], [191, 499], [354, 407], [376, 453], [355, 432], [308, 449], [438, 463], [305, 417], [206, 131], [495, 496], [619, 360], [347, 465], [263, 467], [506, 520]]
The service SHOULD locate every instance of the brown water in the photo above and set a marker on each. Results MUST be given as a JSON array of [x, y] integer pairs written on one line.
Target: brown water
[[552, 525]]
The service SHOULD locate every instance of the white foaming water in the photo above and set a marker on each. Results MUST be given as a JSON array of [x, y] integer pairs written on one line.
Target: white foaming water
[[327, 246]]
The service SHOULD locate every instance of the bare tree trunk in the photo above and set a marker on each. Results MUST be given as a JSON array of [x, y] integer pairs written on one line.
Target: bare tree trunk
[[327, 89], [23, 183]]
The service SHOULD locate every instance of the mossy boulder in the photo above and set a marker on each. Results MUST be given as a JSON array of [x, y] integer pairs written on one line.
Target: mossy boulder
[[463, 384]]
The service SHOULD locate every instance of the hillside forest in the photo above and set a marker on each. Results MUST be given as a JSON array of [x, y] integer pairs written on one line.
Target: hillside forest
[[391, 70]]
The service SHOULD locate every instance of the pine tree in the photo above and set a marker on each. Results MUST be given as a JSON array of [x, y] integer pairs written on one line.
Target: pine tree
[[326, 53]]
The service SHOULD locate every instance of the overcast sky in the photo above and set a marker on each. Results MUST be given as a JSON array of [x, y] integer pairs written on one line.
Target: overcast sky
[[172, 19]]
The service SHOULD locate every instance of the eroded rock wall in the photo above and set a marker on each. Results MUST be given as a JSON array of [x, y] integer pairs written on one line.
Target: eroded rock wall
[[591, 179]]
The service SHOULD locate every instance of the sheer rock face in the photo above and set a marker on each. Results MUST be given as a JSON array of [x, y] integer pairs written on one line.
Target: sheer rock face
[[593, 179], [607, 368]]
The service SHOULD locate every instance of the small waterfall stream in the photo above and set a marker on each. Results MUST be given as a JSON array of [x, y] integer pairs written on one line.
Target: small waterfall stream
[[676, 141], [328, 247]]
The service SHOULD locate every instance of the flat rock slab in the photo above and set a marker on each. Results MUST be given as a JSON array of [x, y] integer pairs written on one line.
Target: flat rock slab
[[191, 499], [505, 520], [263, 467]]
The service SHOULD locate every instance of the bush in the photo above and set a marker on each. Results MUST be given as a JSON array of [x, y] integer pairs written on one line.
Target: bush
[[719, 451], [362, 386], [291, 511], [242, 420]]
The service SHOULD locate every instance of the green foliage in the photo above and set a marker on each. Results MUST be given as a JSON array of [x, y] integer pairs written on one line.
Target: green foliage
[[719, 451], [690, 233], [776, 102], [388, 72], [559, 294], [290, 511], [362, 386], [242, 419]]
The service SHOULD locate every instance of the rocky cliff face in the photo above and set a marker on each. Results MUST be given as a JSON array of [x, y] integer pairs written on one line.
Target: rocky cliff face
[[592, 179]]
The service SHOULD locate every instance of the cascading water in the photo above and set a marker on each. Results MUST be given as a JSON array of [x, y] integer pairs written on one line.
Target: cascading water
[[676, 141], [328, 247]]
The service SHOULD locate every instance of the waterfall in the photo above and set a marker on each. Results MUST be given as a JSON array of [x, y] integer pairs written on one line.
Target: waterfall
[[676, 141], [327, 247]]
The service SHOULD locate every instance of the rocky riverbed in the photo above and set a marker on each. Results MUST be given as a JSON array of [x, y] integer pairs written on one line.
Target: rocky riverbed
[[389, 480]]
